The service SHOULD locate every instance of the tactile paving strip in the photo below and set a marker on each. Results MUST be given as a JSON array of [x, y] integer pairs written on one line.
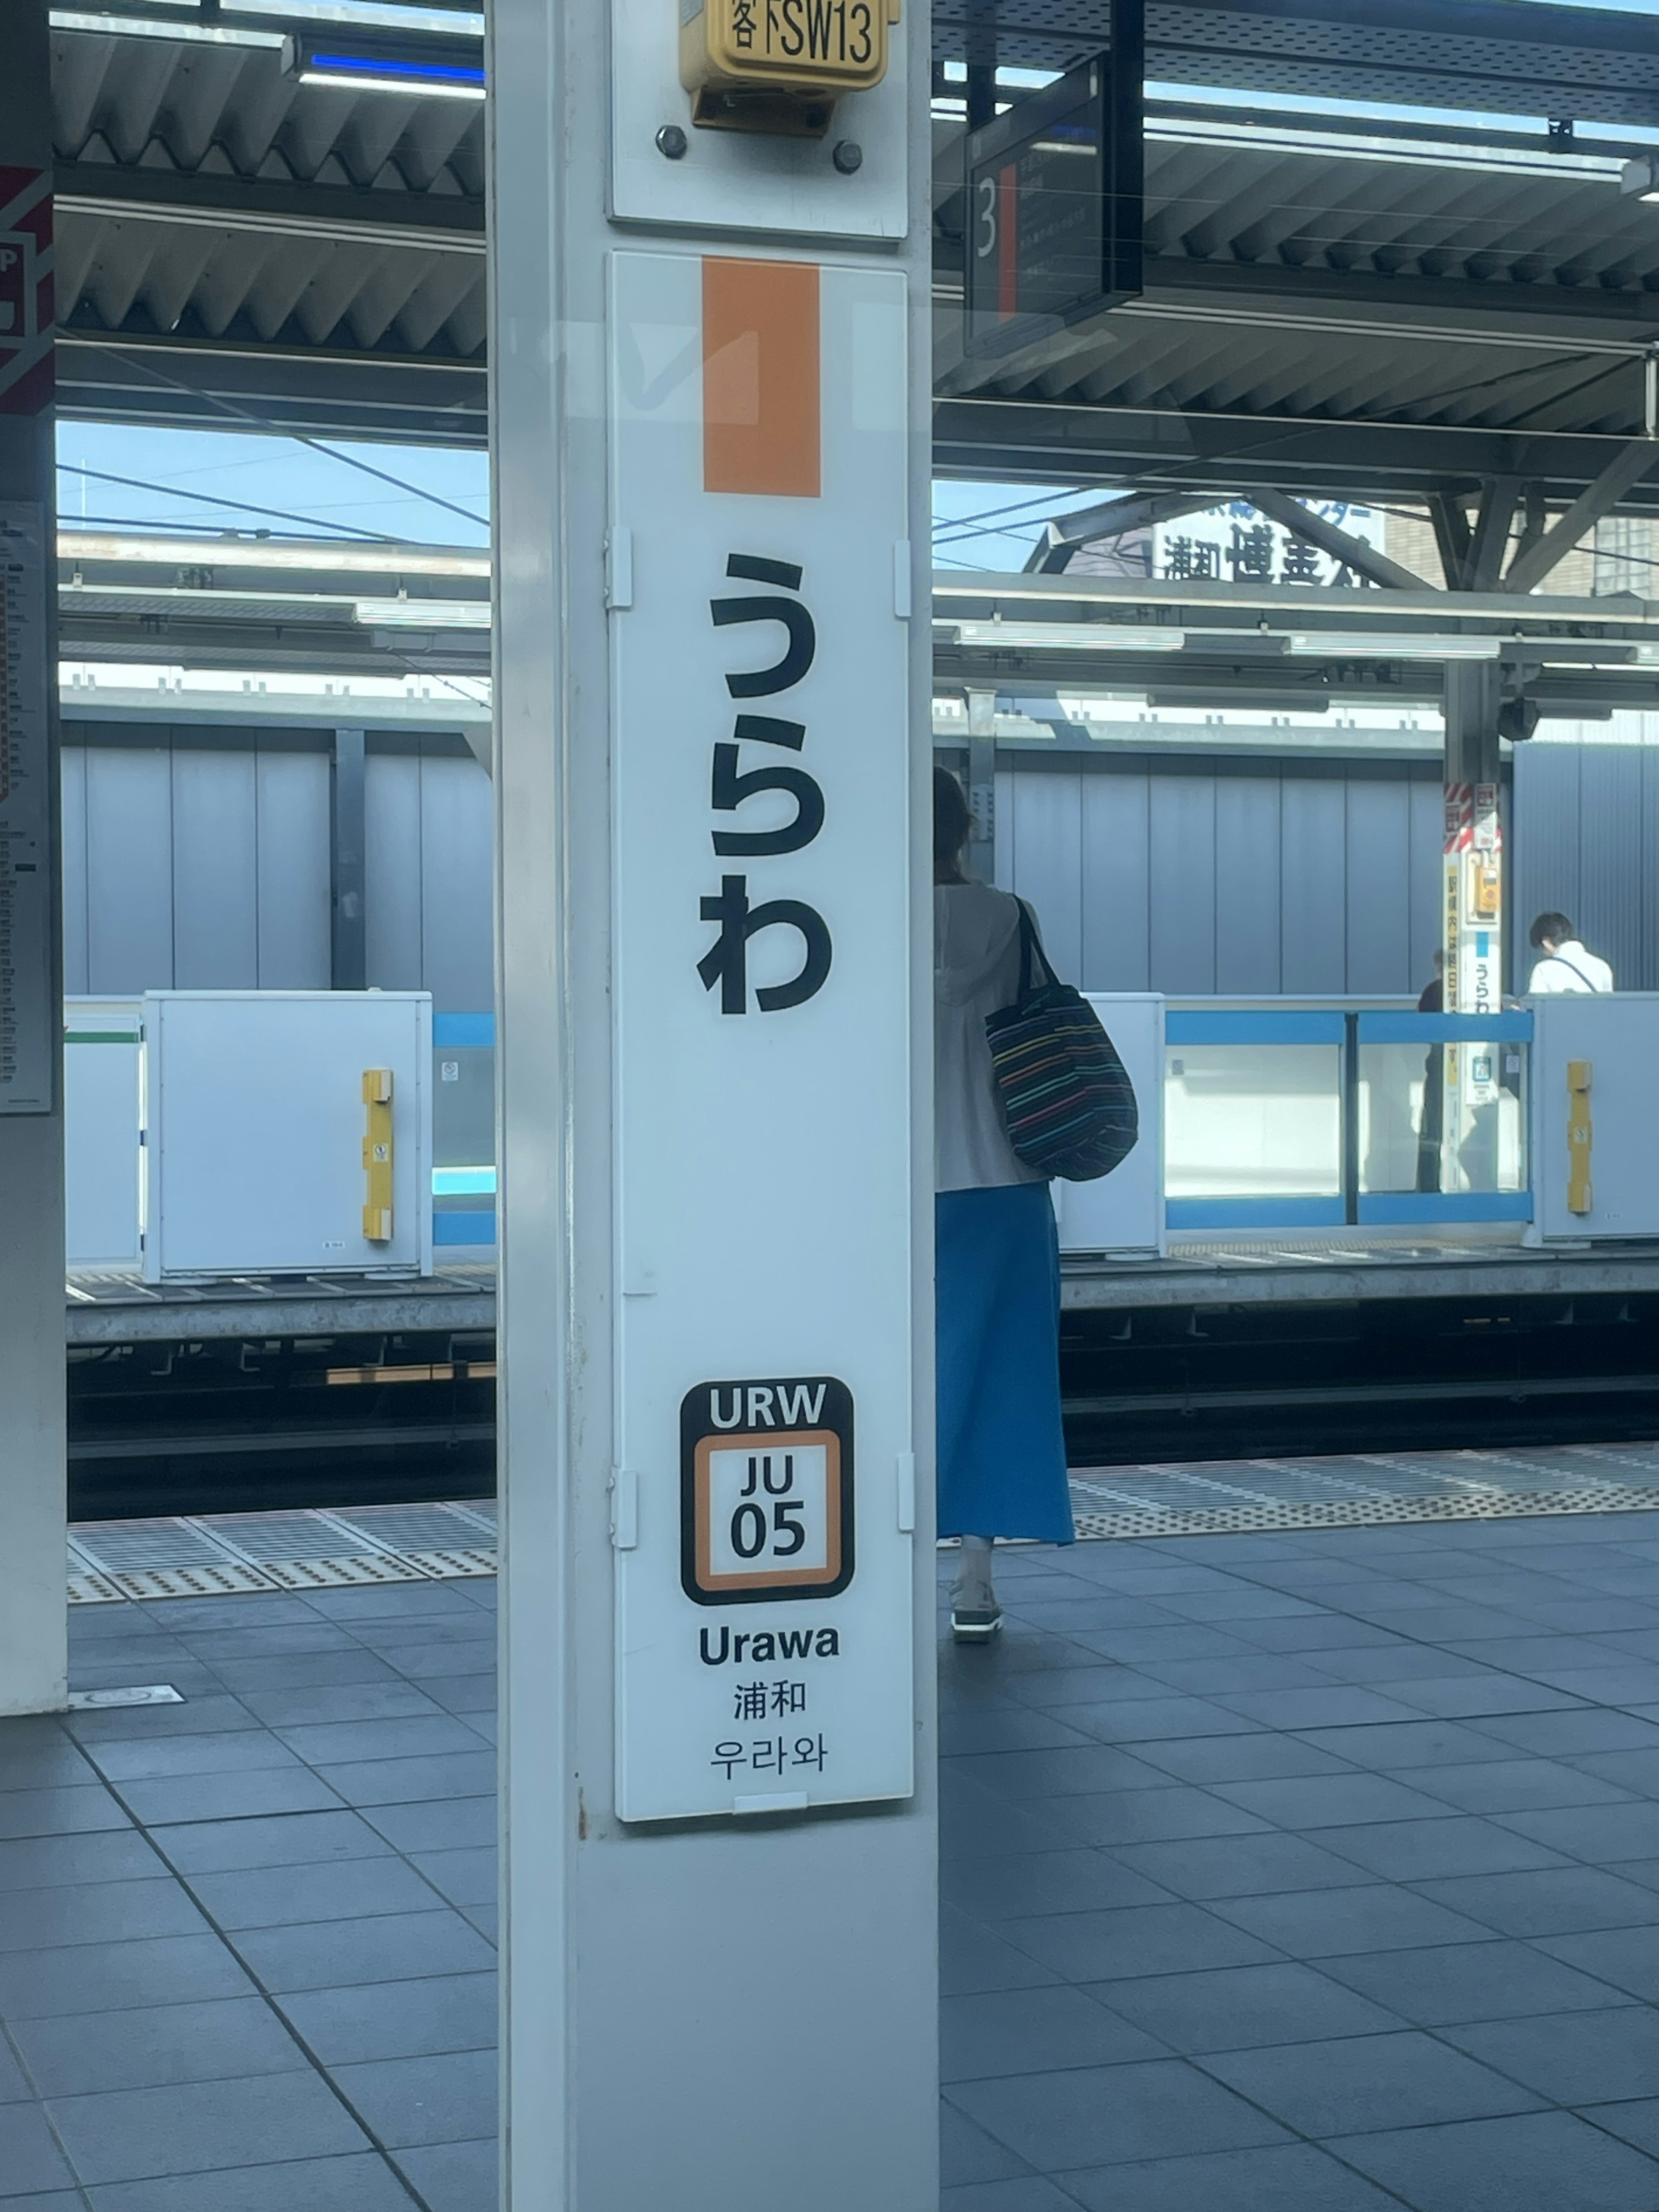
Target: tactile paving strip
[[220, 1554]]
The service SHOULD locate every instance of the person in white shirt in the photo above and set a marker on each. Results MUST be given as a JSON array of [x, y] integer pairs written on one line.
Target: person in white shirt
[[1564, 965], [1001, 1448]]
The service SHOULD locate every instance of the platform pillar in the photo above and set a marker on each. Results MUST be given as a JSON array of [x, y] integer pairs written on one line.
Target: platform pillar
[[710, 358], [1472, 920], [32, 1627]]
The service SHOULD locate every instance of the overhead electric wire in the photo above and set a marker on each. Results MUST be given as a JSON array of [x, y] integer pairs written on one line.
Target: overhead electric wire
[[208, 499], [297, 437]]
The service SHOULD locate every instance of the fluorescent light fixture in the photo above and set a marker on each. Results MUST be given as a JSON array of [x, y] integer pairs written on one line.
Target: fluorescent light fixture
[[145, 26], [371, 15], [425, 614], [1097, 637], [371, 73], [321, 557], [1639, 179], [1389, 645]]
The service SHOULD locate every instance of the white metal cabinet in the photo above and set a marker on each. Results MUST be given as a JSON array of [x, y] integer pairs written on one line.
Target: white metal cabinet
[[103, 1109], [1123, 1211], [1619, 1035], [256, 1124]]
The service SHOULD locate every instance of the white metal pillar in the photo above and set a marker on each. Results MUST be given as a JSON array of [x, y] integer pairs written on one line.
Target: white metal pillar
[[33, 1629], [710, 355], [1472, 921]]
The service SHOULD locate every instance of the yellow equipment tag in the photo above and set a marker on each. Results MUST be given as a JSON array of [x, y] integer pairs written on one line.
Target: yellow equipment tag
[[378, 1160], [808, 51]]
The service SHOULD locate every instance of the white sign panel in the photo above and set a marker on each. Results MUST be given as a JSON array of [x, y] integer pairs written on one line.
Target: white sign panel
[[762, 1035], [28, 1014]]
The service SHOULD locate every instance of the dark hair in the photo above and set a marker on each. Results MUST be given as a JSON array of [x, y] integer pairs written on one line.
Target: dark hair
[[951, 822], [1554, 927]]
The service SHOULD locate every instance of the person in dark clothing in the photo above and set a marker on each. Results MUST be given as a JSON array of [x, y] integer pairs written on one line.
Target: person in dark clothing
[[1429, 1128]]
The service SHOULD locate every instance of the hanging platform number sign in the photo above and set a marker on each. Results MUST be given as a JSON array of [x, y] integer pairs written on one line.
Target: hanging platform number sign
[[766, 1490]]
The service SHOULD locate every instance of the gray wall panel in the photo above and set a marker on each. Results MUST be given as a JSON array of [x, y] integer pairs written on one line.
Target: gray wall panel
[[458, 839], [1247, 885], [1608, 913], [129, 869], [1545, 873], [1313, 876], [1047, 826], [392, 886], [1378, 852], [293, 872], [75, 870], [1181, 849], [1115, 878], [1428, 830], [215, 934]]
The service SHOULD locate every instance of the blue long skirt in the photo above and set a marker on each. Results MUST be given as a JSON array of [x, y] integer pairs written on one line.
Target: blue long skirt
[[1001, 1452]]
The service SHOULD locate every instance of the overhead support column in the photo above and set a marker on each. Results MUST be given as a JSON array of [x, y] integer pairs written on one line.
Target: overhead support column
[[709, 354], [348, 841], [32, 1619], [1472, 920]]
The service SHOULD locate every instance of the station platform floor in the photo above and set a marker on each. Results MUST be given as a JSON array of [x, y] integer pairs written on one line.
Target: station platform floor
[[1310, 1869]]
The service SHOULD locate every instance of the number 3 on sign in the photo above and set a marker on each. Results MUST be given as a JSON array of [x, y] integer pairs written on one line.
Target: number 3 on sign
[[766, 1490]]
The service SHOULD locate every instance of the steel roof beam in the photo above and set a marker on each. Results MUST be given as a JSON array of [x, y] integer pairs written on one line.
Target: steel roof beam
[[1620, 476], [1115, 517], [1341, 544]]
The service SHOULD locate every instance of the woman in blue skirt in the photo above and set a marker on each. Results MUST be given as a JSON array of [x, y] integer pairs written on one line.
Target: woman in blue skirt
[[1001, 1452]]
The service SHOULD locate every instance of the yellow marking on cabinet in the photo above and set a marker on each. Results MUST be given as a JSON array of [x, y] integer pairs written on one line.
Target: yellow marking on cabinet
[[378, 1155]]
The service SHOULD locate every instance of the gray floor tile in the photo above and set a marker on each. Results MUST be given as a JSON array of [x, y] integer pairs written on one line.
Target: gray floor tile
[[1243, 2007], [452, 2177], [462, 1693], [1365, 2083], [1030, 2194], [1425, 1851], [274, 1839], [12, 2086], [117, 1977], [1628, 1958], [1570, 1735], [417, 1658], [1236, 1676], [395, 2019], [386, 1697], [1297, 2178], [1470, 1981], [364, 2182], [450, 1824], [30, 2161], [1158, 1720], [1332, 1801], [334, 1954], [340, 1889], [1514, 1785], [271, 1673], [1012, 1728], [403, 2102], [1034, 2031], [1146, 1816], [1573, 2058], [45, 1861], [50, 1762], [1535, 2162], [1331, 1706], [1151, 1939], [1326, 1923], [972, 1958], [385, 1601], [1554, 1901], [136, 2134], [1103, 2115], [967, 2156], [1072, 1770], [213, 1716], [340, 1743], [1601, 1834], [1262, 1757], [1239, 1866], [407, 1781], [152, 2045], [59, 1812], [465, 1878], [1410, 1744], [194, 1797], [148, 1758], [1019, 1885], [96, 1912], [1634, 2121]]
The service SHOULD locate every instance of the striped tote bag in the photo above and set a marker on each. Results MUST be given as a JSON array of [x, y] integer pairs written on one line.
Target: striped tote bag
[[1068, 1100]]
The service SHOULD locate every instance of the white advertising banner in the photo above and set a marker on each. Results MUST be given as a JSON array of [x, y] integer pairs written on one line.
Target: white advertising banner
[[759, 593]]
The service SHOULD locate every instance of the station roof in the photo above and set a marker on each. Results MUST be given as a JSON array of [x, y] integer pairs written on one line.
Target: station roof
[[1370, 310]]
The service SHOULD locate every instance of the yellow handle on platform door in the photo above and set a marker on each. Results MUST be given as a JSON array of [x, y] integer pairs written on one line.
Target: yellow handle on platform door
[[1581, 1136], [378, 1155]]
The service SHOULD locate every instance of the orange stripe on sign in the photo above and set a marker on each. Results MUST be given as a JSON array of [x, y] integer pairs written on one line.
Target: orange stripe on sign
[[760, 377]]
